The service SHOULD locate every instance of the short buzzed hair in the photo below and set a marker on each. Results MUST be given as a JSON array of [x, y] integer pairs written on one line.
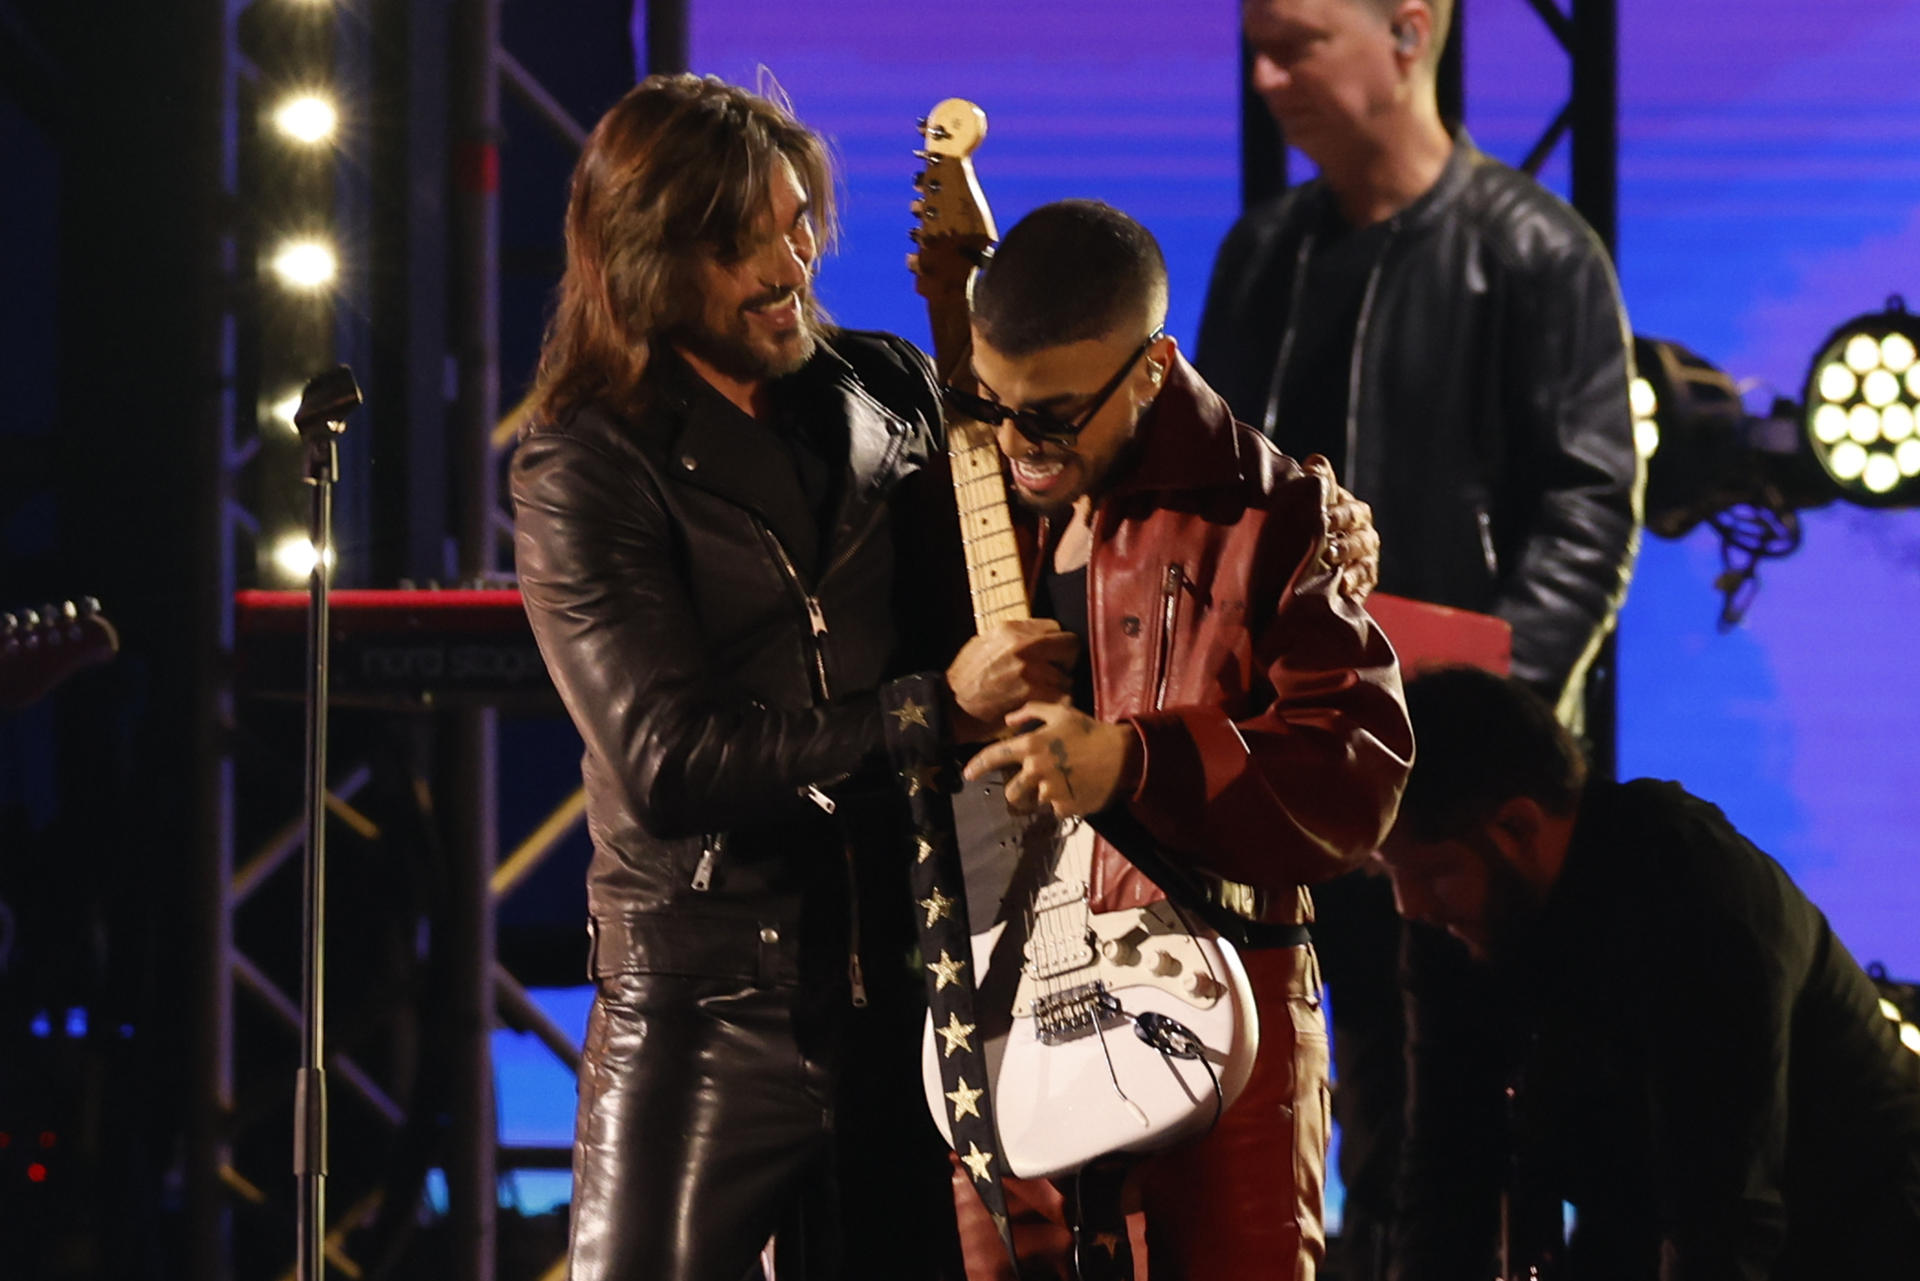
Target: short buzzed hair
[[1481, 740], [1442, 22], [1068, 272]]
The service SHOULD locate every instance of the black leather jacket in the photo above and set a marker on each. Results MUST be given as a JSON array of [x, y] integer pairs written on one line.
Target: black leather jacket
[[721, 676], [1487, 412]]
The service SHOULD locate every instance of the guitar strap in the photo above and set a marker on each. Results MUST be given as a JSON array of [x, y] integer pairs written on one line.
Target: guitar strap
[[917, 743]]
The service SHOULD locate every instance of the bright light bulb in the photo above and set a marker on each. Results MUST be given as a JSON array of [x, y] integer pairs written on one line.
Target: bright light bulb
[[1913, 383], [284, 409], [1646, 436], [1882, 473], [1910, 1037], [1908, 456], [1829, 424], [306, 117], [296, 556], [1837, 382], [1847, 460], [1863, 353], [306, 264], [1640, 396], [1896, 422], [1880, 388], [1889, 1010], [1863, 424], [1897, 353]]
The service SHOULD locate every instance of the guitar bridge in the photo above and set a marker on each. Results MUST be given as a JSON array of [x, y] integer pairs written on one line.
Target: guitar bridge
[[1076, 1012]]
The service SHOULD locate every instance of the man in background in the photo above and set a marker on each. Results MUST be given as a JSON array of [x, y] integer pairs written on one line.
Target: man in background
[[1451, 336], [1690, 1057]]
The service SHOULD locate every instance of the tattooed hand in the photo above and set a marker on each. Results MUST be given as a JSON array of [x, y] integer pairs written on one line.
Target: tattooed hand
[[1067, 760]]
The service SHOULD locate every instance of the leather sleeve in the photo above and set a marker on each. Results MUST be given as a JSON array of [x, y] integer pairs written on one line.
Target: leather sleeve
[[1308, 785], [1574, 445], [615, 624]]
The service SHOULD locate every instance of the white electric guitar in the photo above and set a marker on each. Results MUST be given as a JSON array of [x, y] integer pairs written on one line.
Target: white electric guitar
[[1104, 1032]]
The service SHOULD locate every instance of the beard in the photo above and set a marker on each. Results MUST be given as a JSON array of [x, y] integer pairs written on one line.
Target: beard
[[728, 344]]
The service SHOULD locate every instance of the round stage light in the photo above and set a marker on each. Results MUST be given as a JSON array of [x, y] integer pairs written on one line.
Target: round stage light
[[1896, 422], [1862, 400], [295, 556], [1863, 424], [305, 264], [1830, 425], [310, 118]]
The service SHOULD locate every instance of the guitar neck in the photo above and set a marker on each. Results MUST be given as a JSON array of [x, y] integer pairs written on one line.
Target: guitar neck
[[994, 575]]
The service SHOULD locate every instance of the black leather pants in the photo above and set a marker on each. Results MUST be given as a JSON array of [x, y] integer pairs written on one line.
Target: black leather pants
[[708, 1122]]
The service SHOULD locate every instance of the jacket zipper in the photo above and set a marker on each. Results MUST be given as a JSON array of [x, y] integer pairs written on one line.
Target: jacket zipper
[[1357, 358], [856, 976], [1169, 611], [710, 852], [816, 617], [1270, 420], [1486, 542]]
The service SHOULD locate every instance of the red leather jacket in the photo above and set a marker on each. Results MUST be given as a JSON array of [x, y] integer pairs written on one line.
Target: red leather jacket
[[1277, 740]]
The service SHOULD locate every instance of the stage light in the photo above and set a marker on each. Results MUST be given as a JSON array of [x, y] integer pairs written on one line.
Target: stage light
[[295, 556], [1645, 403], [305, 264], [1868, 369], [284, 409], [310, 118]]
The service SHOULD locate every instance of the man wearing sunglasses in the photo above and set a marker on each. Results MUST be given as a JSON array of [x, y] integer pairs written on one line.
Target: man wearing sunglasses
[[1233, 703]]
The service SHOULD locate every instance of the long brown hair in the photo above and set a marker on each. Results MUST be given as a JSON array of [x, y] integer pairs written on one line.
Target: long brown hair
[[678, 167]]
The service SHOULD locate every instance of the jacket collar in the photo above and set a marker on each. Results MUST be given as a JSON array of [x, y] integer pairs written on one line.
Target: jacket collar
[[1187, 439], [708, 442], [1432, 205]]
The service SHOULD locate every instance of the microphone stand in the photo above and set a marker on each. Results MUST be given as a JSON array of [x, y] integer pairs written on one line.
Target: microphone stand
[[321, 418]]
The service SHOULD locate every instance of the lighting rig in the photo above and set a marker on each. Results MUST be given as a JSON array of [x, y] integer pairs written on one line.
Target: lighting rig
[[1853, 435]]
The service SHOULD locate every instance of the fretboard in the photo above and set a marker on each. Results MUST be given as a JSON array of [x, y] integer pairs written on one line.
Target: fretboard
[[994, 575]]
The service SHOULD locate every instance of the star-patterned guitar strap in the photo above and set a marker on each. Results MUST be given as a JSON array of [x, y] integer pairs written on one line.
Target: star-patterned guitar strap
[[917, 743]]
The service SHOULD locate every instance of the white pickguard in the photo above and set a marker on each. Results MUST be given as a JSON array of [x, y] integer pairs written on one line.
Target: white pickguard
[[1068, 1083]]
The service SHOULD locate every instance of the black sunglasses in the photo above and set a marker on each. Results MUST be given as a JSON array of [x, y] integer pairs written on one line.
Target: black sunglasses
[[1038, 425]]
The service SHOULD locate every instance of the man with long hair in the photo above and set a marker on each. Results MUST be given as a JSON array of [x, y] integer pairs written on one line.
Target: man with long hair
[[711, 515]]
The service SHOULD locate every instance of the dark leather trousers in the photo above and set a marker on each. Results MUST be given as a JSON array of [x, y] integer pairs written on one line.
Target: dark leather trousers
[[714, 1114]]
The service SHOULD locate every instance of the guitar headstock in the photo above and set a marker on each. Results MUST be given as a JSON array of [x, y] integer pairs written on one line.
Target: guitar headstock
[[40, 648], [955, 234]]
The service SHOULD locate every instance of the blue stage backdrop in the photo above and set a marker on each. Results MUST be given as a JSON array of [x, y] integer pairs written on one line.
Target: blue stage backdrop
[[1769, 189]]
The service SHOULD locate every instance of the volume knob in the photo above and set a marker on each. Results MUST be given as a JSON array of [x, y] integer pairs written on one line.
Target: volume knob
[[1200, 985], [1165, 964], [1120, 952]]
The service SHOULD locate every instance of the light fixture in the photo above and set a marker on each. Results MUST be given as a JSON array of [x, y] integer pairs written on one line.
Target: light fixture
[[295, 556], [306, 117], [1863, 389], [306, 264]]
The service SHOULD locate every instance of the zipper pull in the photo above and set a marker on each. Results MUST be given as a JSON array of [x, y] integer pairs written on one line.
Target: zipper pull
[[819, 798], [815, 617], [703, 871], [858, 978]]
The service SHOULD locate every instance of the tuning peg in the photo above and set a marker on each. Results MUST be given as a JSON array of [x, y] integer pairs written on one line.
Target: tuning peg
[[920, 123], [938, 133], [8, 626], [28, 620], [933, 188], [89, 606], [913, 263], [913, 234]]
